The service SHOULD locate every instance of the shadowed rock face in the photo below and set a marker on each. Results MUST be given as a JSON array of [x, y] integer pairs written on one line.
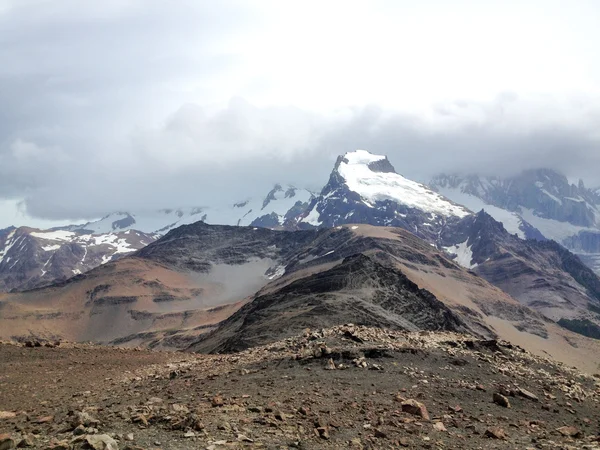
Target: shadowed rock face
[[359, 290], [540, 274]]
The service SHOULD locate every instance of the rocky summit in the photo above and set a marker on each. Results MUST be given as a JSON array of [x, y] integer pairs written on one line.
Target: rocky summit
[[343, 387]]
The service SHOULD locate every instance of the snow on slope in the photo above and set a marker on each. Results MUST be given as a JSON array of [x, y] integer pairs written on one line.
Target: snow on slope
[[278, 202], [31, 258], [375, 186], [463, 255], [512, 222]]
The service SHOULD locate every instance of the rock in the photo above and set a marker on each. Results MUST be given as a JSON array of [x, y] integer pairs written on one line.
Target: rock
[[128, 437], [101, 442], [44, 419], [495, 433], [6, 442], [79, 430], [501, 400], [416, 408], [141, 419], [439, 426], [189, 434], [59, 445], [304, 410], [526, 394], [217, 400], [26, 442], [243, 438], [7, 415], [330, 365], [83, 418], [323, 433], [570, 431]]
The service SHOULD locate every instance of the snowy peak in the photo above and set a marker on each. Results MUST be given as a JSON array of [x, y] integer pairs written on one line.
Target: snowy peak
[[375, 180], [365, 188]]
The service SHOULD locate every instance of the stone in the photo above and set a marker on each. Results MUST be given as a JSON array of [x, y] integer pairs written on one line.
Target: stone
[[26, 442], [439, 426], [44, 419], [128, 437], [79, 430], [141, 419], [570, 431], [528, 395], [501, 400], [323, 433], [217, 400], [59, 445], [495, 433], [101, 442], [330, 365], [83, 418], [243, 438], [6, 442], [7, 415], [416, 408]]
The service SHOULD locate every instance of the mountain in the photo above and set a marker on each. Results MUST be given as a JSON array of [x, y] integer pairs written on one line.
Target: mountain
[[533, 204], [268, 211], [32, 258], [542, 275], [193, 280], [365, 188], [56, 254]]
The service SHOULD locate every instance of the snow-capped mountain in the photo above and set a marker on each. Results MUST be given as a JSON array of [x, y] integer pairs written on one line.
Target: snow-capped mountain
[[365, 188], [268, 211], [31, 258], [535, 204]]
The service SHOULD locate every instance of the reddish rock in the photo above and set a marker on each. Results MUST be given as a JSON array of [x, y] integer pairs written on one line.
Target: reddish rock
[[416, 408], [495, 433]]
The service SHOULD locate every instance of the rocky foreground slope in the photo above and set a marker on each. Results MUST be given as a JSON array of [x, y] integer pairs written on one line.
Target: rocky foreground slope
[[342, 387]]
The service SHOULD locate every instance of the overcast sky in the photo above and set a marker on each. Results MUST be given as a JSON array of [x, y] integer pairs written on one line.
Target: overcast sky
[[136, 104]]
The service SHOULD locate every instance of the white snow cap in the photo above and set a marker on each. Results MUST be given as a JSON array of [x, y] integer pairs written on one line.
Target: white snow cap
[[380, 186]]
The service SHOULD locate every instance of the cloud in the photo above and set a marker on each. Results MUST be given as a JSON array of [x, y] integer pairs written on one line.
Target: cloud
[[136, 104]]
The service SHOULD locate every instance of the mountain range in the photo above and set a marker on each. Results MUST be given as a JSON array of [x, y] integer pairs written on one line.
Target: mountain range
[[373, 248]]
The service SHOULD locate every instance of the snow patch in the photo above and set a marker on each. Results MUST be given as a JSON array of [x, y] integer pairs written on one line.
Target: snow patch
[[380, 186], [463, 254]]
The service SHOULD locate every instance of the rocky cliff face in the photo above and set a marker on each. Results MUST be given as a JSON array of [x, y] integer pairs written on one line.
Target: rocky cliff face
[[32, 258], [535, 204], [541, 274]]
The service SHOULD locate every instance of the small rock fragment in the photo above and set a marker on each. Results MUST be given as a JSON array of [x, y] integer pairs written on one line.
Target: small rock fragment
[[501, 400], [101, 442], [439, 426], [569, 431], [6, 442], [526, 394], [495, 433], [416, 408], [217, 400]]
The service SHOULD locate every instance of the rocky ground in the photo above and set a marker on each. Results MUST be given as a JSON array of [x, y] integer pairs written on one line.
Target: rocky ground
[[343, 387]]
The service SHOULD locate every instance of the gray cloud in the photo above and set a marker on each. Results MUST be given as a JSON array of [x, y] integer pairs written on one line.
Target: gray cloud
[[130, 105]]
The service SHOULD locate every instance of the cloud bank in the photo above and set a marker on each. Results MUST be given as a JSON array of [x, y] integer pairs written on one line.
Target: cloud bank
[[130, 105]]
